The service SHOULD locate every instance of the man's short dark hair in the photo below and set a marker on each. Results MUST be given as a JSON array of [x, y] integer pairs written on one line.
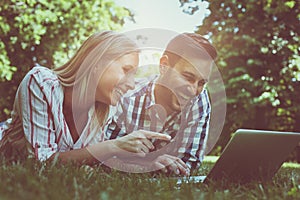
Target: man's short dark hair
[[193, 44]]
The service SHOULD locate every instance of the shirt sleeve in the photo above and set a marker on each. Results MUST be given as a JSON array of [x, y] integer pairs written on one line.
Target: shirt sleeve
[[34, 107], [195, 133]]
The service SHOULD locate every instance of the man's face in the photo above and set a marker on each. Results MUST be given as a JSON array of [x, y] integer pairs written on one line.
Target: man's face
[[184, 81]]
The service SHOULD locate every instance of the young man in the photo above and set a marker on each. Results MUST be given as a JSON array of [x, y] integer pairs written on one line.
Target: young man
[[174, 103]]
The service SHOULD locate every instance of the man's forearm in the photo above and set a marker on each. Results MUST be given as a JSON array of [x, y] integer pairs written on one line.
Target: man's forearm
[[129, 165]]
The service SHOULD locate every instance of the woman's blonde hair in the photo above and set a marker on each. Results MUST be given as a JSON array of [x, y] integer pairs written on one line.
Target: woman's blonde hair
[[97, 52]]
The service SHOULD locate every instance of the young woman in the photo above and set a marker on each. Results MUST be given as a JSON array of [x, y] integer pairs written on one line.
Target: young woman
[[61, 112]]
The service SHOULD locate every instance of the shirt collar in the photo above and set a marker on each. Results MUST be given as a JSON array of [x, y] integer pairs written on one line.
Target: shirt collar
[[150, 98]]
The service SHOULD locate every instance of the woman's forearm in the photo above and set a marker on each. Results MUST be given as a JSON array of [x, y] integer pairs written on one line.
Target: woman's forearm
[[90, 155]]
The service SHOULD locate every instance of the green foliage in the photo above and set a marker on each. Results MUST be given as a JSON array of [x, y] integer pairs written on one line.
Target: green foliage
[[258, 45], [47, 32]]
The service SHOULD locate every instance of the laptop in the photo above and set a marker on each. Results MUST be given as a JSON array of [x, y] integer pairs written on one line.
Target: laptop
[[250, 155]]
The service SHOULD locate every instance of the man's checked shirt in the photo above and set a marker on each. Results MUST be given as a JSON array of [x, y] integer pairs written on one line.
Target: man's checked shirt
[[137, 110]]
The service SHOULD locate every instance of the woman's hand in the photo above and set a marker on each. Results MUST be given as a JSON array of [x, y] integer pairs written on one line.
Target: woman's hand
[[138, 142]]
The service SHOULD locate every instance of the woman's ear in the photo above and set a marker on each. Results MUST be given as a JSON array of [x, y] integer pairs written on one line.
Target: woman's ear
[[163, 64]]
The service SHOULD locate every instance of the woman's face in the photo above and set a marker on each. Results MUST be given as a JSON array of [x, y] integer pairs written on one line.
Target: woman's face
[[117, 79]]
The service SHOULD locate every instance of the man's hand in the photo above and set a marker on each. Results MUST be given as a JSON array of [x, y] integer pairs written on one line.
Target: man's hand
[[171, 164]]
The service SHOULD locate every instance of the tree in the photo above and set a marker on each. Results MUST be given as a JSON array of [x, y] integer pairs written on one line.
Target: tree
[[47, 32], [258, 44]]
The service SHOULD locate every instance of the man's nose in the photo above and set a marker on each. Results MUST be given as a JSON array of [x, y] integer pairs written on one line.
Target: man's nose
[[199, 89], [193, 89]]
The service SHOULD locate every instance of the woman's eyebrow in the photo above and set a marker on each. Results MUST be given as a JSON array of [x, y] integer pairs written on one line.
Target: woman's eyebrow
[[129, 66]]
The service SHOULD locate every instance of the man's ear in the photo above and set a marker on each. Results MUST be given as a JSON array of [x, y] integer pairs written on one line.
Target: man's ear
[[163, 64]]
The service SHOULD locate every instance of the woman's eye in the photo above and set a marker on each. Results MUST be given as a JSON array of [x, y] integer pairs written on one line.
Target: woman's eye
[[127, 69]]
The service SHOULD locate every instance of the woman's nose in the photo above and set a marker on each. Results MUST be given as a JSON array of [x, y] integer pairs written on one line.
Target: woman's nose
[[130, 82]]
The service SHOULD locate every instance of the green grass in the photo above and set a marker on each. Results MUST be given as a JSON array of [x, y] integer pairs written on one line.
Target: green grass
[[33, 180]]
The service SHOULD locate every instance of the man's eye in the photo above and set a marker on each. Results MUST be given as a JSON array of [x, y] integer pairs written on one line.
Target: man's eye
[[189, 79], [202, 82]]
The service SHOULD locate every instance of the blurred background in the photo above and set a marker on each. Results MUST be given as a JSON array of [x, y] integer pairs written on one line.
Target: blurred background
[[257, 40]]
